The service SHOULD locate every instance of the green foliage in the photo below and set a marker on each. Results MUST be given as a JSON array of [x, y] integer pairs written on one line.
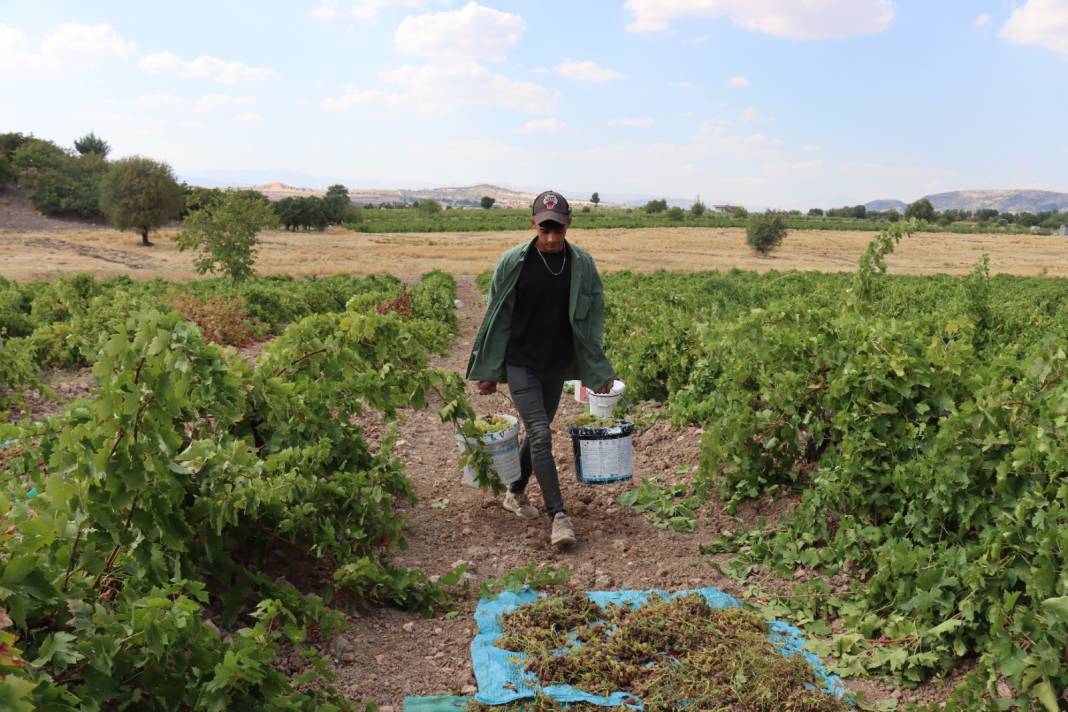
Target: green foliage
[[487, 202], [140, 194], [166, 498], [428, 206], [595, 199], [765, 232], [698, 209], [538, 577], [670, 506], [919, 420], [7, 172], [91, 143], [676, 214], [224, 235], [656, 206], [59, 183], [306, 213], [336, 203], [921, 210]]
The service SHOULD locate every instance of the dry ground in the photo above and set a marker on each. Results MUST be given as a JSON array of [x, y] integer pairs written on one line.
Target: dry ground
[[38, 253]]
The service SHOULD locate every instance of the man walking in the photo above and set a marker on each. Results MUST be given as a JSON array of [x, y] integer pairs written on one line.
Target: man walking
[[544, 325]]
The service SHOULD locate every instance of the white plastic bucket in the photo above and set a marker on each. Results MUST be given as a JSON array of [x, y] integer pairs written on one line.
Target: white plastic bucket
[[502, 446], [602, 405], [605, 454], [581, 391]]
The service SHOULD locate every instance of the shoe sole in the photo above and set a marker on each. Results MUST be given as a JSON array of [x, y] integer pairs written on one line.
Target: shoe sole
[[563, 541]]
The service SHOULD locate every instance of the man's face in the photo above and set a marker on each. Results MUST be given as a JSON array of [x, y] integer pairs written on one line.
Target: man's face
[[551, 236]]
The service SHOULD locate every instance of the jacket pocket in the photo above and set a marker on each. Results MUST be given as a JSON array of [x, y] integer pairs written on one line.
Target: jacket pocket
[[582, 306]]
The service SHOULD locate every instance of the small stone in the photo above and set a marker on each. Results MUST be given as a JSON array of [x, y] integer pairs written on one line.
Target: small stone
[[468, 690], [602, 580], [385, 708], [437, 630], [621, 544], [348, 657], [380, 659], [409, 627], [467, 531]]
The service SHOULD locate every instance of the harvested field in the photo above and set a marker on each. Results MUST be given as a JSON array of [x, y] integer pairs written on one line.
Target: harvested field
[[40, 254]]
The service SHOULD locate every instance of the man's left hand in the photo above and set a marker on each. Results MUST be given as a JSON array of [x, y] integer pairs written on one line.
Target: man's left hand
[[606, 388]]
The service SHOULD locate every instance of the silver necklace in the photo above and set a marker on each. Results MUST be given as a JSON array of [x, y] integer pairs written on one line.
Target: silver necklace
[[546, 262]]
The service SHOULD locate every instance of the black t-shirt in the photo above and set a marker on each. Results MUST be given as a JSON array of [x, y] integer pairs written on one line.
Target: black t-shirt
[[541, 326]]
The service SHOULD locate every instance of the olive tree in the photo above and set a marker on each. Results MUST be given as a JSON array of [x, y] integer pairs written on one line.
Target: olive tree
[[140, 194], [225, 234], [487, 202]]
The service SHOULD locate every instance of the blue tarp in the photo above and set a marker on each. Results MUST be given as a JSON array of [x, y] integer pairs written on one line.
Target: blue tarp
[[501, 676]]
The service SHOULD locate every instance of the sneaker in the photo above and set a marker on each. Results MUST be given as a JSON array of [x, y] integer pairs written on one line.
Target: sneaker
[[517, 502], [563, 532]]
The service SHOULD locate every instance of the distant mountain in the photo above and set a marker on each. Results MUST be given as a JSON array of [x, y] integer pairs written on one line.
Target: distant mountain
[[1012, 201], [884, 205], [458, 197]]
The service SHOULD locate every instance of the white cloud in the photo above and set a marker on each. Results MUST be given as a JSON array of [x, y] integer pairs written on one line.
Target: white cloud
[[326, 10], [210, 102], [207, 103], [367, 9], [982, 20], [543, 126], [796, 167], [246, 119], [203, 67], [161, 101], [749, 115], [809, 147], [439, 87], [586, 72], [70, 46], [355, 99], [738, 82], [689, 86], [473, 32], [641, 123], [1039, 22], [816, 19]]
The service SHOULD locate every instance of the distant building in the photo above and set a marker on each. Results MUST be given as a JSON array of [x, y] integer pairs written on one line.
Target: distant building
[[1063, 232]]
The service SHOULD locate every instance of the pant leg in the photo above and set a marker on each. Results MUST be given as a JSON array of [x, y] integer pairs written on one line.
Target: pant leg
[[536, 398]]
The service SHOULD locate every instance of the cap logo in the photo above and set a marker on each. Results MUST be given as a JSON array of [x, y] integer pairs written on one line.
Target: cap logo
[[550, 201]]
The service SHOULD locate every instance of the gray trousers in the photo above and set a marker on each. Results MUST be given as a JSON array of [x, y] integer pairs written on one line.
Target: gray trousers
[[537, 396]]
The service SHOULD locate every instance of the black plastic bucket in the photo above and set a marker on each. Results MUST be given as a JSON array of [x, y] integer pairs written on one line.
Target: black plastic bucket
[[603, 454]]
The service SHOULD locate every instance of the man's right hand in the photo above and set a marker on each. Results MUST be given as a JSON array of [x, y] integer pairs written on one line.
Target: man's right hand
[[487, 387]]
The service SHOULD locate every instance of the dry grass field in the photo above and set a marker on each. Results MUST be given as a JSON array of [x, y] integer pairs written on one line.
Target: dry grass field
[[41, 254]]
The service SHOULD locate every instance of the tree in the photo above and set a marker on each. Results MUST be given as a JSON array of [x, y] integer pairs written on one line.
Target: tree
[[920, 210], [765, 232], [225, 235], [429, 207], [140, 194], [892, 215], [91, 143], [676, 213], [656, 206], [337, 202], [595, 199], [59, 182], [7, 172], [985, 214], [859, 211], [815, 212], [487, 202], [698, 208]]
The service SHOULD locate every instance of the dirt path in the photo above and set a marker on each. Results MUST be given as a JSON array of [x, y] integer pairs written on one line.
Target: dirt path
[[396, 654]]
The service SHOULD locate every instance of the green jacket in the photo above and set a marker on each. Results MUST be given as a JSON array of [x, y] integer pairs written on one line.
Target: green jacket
[[585, 310]]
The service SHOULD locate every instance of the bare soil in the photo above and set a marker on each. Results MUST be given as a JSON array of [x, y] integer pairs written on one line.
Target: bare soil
[[28, 253]]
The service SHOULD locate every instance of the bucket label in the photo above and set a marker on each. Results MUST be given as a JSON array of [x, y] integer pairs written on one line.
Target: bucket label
[[606, 460]]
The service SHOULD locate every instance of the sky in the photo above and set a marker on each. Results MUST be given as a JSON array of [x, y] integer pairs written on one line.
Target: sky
[[763, 103]]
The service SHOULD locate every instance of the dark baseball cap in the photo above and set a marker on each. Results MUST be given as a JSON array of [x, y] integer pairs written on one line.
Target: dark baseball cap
[[550, 205]]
